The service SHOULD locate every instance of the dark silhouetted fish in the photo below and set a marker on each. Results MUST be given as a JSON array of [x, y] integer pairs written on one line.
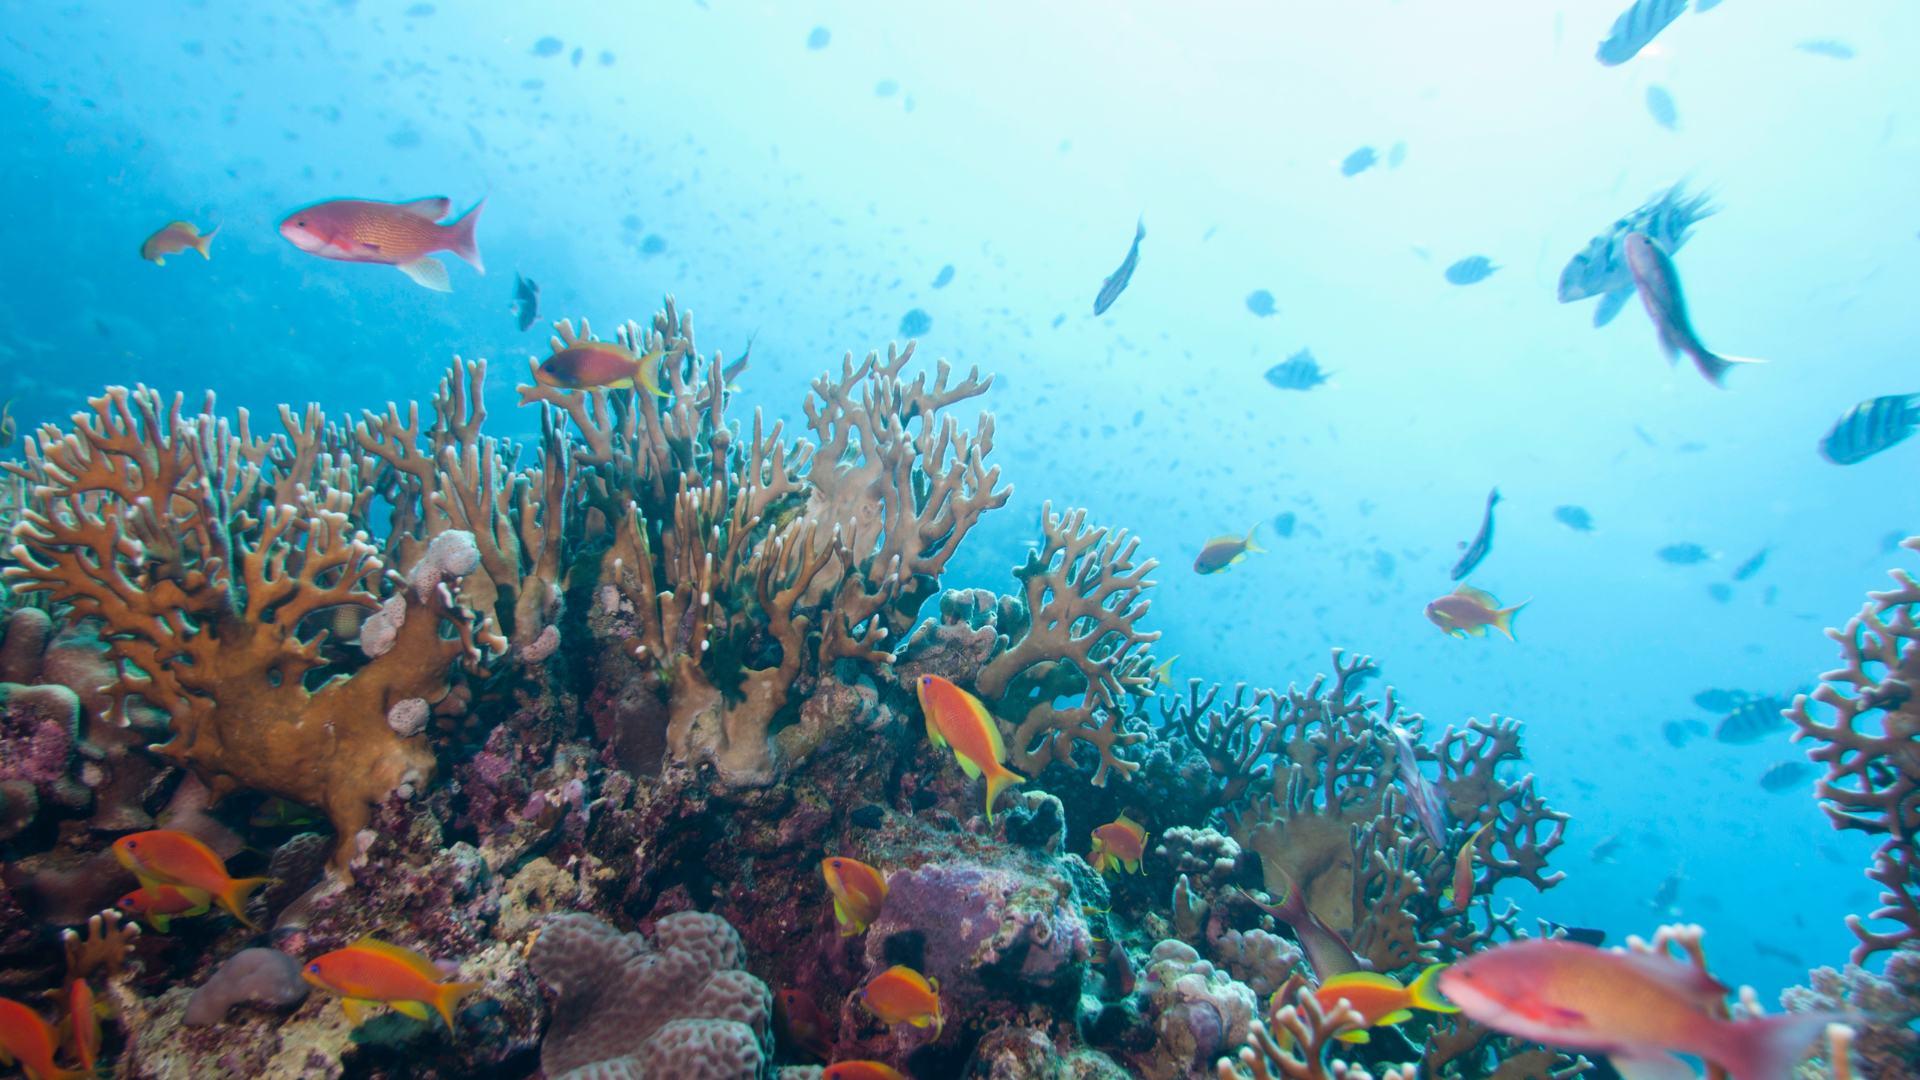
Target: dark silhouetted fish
[[1482, 541], [1605, 850], [1471, 270], [1283, 523], [1752, 566], [1785, 956], [1584, 936], [1675, 732], [1300, 372], [1870, 427], [1666, 898], [1787, 776], [1600, 269], [1636, 28], [1686, 554], [1717, 700], [1660, 107], [944, 277], [1116, 282], [1359, 161], [1574, 517], [1752, 721], [548, 46], [1658, 282], [1834, 50], [526, 301], [915, 323], [1260, 302]]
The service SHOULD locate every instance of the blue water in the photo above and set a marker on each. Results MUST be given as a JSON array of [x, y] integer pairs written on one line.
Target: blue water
[[812, 195]]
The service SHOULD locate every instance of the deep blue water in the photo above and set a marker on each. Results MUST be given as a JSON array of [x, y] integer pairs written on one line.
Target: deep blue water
[[812, 196]]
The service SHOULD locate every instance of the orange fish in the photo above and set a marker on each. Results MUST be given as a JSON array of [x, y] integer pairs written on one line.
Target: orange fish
[[862, 1070], [159, 905], [858, 892], [1463, 871], [372, 972], [1120, 844], [1638, 1009], [1380, 999], [956, 718], [1223, 551], [803, 1023], [29, 1041], [83, 1021], [401, 235], [587, 365], [174, 238], [901, 995], [1467, 611], [169, 857]]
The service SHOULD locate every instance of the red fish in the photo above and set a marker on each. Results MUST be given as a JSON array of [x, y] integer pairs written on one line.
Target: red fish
[[901, 995], [1120, 844], [83, 1020], [174, 238], [1467, 612], [858, 891], [862, 1070], [1463, 871], [1638, 1009], [956, 718], [1659, 284], [169, 857], [401, 235], [371, 971], [803, 1023], [27, 1040], [159, 905]]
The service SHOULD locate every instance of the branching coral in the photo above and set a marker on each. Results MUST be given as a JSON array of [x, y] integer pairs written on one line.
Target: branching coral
[[1293, 1044], [210, 559], [1865, 717]]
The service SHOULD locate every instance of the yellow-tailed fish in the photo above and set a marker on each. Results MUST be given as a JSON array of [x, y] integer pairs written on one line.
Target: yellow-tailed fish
[[957, 719], [858, 891]]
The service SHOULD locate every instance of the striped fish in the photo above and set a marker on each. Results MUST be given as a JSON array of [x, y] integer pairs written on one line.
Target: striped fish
[[1870, 427], [1116, 282], [1636, 28], [1300, 372], [1600, 269]]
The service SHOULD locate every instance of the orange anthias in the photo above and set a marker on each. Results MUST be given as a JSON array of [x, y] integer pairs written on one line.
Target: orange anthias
[[402, 235], [956, 718], [901, 995], [27, 1040], [83, 1021], [589, 365], [859, 891], [1463, 871], [1119, 844], [174, 238], [804, 1025], [862, 1070], [159, 905], [169, 857], [372, 972], [1380, 999]]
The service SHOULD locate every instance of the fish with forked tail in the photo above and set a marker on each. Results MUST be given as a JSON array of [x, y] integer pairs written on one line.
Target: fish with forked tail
[[1600, 269], [1116, 282], [402, 235], [1659, 285]]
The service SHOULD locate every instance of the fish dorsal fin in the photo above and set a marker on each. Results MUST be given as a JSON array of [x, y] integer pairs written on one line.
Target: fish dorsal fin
[[400, 954], [1690, 982], [433, 207], [1478, 596], [986, 720], [1362, 978], [1131, 826]]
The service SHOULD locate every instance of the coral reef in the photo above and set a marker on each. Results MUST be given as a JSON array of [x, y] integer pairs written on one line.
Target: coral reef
[[1884, 1009]]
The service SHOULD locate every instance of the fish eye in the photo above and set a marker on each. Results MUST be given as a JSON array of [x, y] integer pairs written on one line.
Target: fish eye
[[131, 844], [315, 968], [301, 224]]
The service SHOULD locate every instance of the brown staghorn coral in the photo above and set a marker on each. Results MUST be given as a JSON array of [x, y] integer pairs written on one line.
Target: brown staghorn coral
[[208, 562], [1865, 717]]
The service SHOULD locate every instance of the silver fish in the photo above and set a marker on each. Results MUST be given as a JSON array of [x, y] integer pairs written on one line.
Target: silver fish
[[1659, 285], [1482, 542], [1116, 282], [1870, 427], [1600, 269], [1636, 28], [1428, 804]]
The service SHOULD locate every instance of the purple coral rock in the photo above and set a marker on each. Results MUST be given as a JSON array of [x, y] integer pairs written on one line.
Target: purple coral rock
[[1197, 1012], [679, 1005], [267, 978]]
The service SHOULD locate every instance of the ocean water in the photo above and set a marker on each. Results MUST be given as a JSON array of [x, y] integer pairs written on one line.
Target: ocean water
[[805, 189]]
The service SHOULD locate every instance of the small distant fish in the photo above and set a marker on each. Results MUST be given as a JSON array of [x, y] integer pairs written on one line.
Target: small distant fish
[[1116, 282], [957, 719], [526, 300], [1260, 302], [1605, 850], [1659, 285], [1752, 721], [1223, 551], [803, 1023], [817, 39], [1870, 427], [1574, 517], [901, 995], [915, 323], [1636, 28], [862, 1069], [1283, 523], [1162, 673], [1299, 372], [401, 235], [945, 277], [1786, 776], [1660, 107], [1675, 732], [1118, 845], [1600, 269], [1396, 154], [1836, 50], [1471, 270], [1752, 566], [1667, 895], [1467, 612], [548, 46], [1482, 543], [1381, 1000], [1720, 592], [859, 892], [1576, 933], [374, 972], [175, 237], [1785, 956], [1683, 554], [1359, 161], [1428, 804], [1717, 700]]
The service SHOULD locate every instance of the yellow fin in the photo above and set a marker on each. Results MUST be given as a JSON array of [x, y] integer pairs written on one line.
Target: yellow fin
[[967, 765], [415, 962], [1354, 1037], [1423, 992], [1361, 978], [412, 1008], [357, 1011], [1478, 596], [1398, 1016]]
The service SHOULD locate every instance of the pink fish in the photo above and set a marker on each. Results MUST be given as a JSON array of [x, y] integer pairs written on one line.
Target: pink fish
[[402, 235], [1659, 285], [1637, 1008], [1467, 612]]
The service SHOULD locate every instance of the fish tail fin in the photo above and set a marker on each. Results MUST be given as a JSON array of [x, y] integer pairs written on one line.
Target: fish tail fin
[[1768, 1047], [1424, 994], [1140, 229], [204, 245], [1253, 539], [460, 238], [999, 778], [646, 374], [446, 997], [233, 899], [1503, 618], [1715, 367]]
